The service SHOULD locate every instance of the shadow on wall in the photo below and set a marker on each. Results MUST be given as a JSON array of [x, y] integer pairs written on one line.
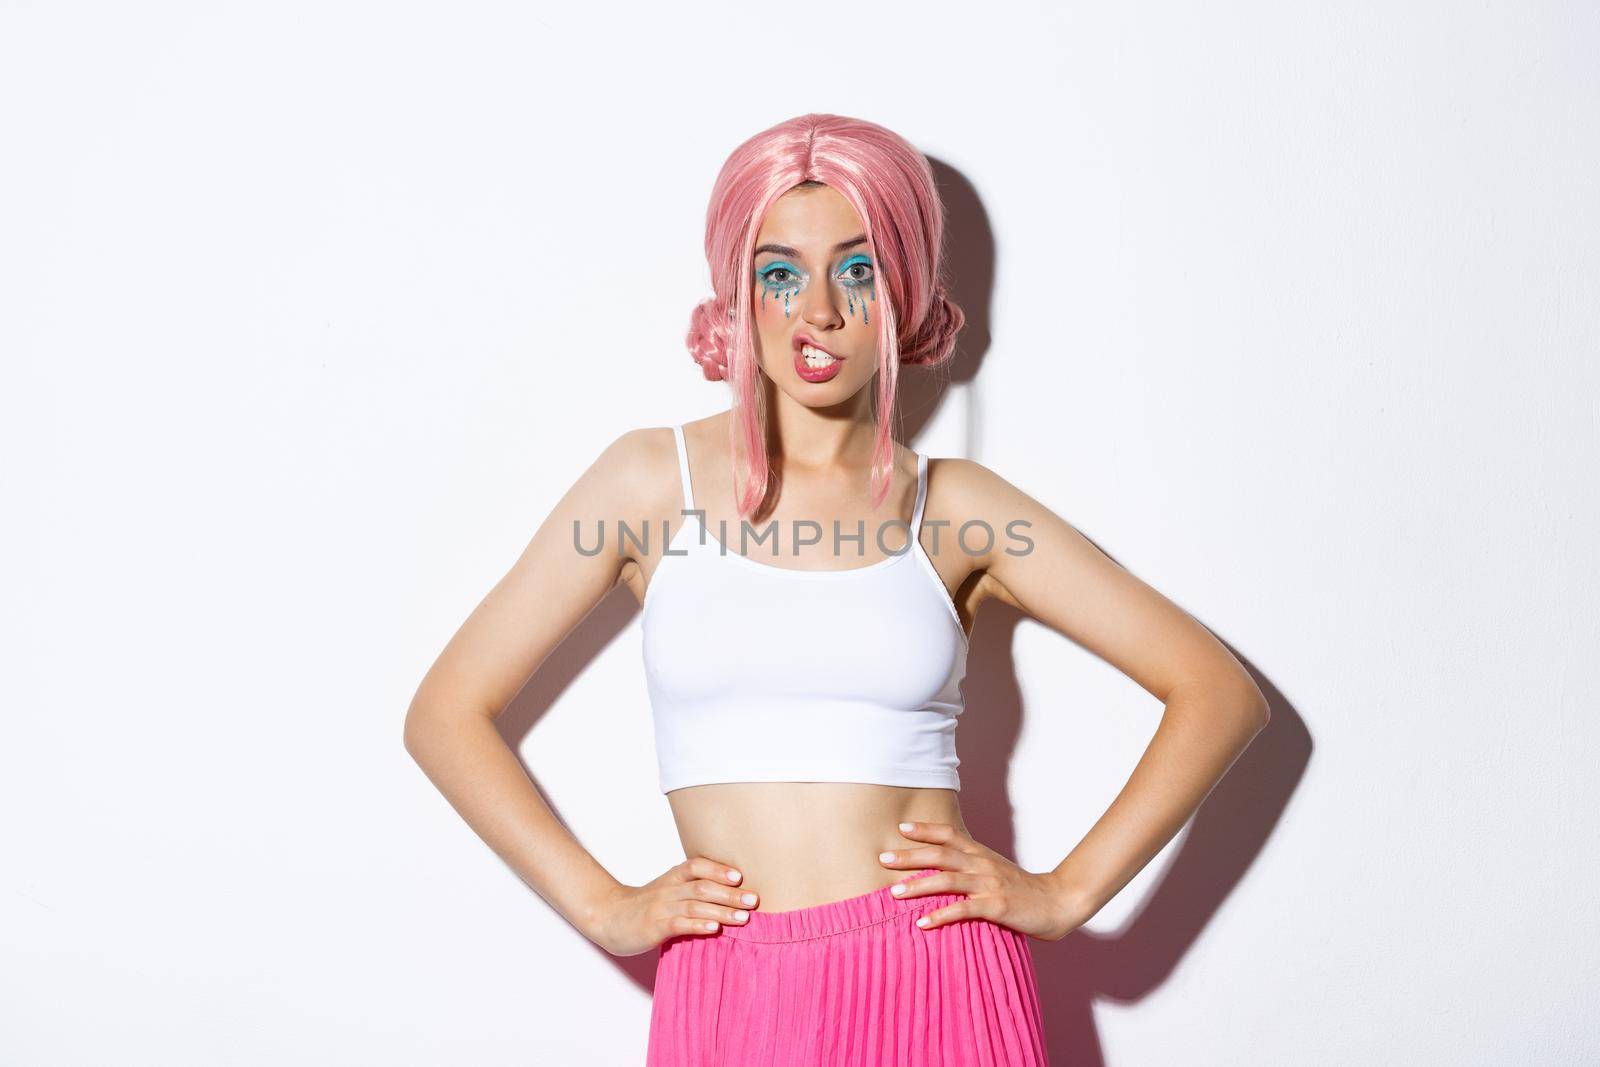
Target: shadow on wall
[[1222, 840]]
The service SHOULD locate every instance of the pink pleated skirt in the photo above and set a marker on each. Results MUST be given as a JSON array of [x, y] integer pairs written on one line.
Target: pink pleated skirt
[[850, 982]]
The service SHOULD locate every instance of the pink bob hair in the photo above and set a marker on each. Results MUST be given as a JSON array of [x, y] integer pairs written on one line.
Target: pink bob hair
[[891, 187]]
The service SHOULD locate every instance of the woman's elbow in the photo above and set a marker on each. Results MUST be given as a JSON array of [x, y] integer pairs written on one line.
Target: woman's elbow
[[1257, 707], [422, 730], [1240, 698]]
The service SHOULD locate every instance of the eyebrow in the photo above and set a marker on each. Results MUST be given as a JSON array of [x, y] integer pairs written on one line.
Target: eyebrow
[[785, 250]]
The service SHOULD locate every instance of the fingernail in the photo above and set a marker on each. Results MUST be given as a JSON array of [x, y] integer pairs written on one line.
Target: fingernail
[[886, 857], [905, 828], [923, 921], [898, 890], [741, 915], [748, 898], [734, 875]]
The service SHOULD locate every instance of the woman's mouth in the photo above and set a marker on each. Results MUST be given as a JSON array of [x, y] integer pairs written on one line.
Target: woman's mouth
[[815, 365]]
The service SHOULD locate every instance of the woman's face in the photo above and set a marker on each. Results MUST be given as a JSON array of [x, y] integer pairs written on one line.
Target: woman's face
[[815, 287]]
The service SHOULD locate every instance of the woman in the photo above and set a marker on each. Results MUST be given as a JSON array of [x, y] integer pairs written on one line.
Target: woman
[[833, 907]]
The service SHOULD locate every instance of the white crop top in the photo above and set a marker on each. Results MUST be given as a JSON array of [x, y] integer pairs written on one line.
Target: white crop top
[[767, 673]]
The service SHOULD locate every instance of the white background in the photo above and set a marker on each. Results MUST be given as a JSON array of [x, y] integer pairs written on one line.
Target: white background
[[310, 313]]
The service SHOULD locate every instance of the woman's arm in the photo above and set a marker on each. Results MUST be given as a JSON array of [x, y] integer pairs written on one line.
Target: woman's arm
[[1213, 707], [449, 728]]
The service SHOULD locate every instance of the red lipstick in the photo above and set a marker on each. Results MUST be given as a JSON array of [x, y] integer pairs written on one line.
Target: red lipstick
[[808, 372]]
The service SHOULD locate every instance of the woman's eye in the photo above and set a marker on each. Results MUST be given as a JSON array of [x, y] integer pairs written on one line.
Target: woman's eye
[[858, 273], [776, 276]]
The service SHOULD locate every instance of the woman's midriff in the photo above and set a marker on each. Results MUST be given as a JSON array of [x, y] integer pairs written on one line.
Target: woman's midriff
[[799, 844]]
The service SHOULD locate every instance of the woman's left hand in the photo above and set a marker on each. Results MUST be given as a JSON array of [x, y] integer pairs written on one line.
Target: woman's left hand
[[996, 889]]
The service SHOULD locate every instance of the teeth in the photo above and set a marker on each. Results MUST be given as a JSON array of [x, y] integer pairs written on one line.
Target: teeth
[[816, 357]]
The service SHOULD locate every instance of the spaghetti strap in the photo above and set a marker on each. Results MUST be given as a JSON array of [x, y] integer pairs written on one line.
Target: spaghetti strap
[[683, 469], [922, 494]]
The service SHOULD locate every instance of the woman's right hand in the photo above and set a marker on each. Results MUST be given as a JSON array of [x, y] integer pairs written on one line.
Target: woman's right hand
[[695, 897]]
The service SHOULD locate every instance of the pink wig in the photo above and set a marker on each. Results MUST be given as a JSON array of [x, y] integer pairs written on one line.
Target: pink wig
[[891, 187]]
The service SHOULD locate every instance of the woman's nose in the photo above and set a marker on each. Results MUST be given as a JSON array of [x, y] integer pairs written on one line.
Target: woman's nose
[[821, 307]]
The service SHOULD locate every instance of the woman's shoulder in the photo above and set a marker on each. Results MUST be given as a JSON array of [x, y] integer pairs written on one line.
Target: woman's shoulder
[[963, 484], [637, 469], [963, 490], [971, 478], [631, 447]]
